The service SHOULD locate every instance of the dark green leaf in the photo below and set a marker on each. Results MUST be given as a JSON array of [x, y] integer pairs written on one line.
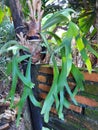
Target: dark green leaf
[[14, 81], [79, 78], [9, 68], [57, 38], [24, 79]]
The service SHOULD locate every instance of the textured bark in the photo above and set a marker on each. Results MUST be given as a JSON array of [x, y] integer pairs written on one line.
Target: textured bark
[[97, 18], [16, 15]]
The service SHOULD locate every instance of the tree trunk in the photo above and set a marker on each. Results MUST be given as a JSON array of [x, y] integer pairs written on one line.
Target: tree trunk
[[17, 15], [97, 25], [97, 18]]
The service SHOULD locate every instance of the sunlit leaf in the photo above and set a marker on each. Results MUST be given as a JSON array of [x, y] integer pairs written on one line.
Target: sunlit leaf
[[86, 21], [82, 50], [88, 46], [58, 17], [80, 44], [67, 55], [73, 30], [1, 15]]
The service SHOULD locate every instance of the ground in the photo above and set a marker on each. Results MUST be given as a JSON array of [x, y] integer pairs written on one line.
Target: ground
[[7, 115]]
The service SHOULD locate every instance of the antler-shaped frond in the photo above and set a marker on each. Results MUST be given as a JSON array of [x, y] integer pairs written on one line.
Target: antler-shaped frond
[[30, 8]]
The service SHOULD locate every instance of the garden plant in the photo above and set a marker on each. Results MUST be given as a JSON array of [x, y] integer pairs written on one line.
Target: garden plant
[[56, 46]]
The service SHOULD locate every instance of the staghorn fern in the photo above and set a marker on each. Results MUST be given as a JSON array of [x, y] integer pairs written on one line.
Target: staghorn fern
[[60, 82], [15, 72]]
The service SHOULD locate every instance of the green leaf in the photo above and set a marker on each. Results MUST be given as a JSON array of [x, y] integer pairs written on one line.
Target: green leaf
[[57, 38], [21, 103], [34, 101], [67, 56], [60, 111], [47, 105], [88, 46], [80, 44], [73, 30], [52, 21], [86, 60], [66, 103], [13, 46], [7, 45], [16, 48], [28, 70], [70, 93], [58, 17], [24, 79], [46, 42], [66, 68], [52, 93], [22, 58], [86, 21], [49, 101], [81, 48], [14, 82], [1, 15], [79, 78], [9, 68], [26, 92]]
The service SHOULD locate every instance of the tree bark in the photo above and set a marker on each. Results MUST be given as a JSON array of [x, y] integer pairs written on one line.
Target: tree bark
[[17, 15], [97, 24], [97, 18]]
